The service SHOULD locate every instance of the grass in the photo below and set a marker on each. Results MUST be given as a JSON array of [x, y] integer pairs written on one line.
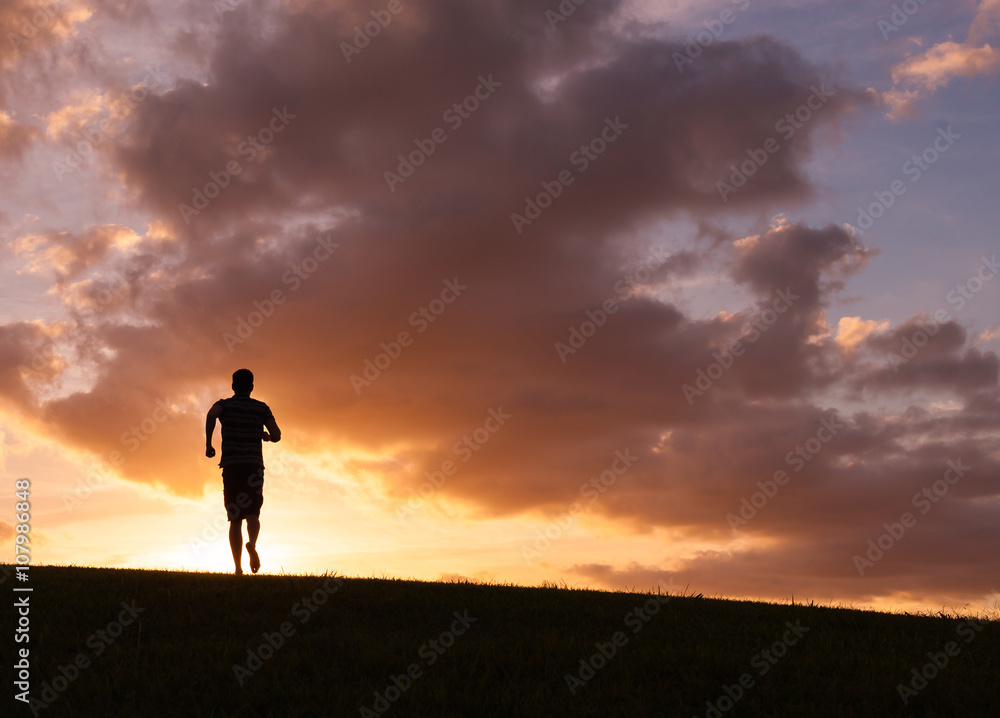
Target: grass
[[463, 649]]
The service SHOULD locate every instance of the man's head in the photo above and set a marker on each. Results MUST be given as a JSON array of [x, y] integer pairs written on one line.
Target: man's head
[[243, 381]]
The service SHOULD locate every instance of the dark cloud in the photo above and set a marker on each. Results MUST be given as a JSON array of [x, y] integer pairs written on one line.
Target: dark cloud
[[926, 354], [26, 354], [254, 279], [353, 120]]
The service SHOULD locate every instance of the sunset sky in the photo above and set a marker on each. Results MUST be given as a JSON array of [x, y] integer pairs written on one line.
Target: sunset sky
[[610, 293]]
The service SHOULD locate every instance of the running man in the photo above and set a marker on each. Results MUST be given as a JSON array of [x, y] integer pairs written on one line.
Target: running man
[[243, 423]]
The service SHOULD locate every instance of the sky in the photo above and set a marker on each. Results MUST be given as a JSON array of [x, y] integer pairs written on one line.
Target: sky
[[617, 294]]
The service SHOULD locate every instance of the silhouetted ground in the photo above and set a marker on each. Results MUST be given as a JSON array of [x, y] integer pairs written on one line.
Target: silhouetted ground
[[193, 642]]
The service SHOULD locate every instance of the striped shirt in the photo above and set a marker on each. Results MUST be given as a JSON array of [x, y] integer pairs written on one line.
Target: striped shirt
[[242, 421]]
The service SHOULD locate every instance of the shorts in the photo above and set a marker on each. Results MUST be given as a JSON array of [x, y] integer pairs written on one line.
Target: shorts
[[242, 490]]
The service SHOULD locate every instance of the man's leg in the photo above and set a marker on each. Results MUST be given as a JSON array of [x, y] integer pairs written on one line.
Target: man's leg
[[253, 529], [236, 541], [255, 485]]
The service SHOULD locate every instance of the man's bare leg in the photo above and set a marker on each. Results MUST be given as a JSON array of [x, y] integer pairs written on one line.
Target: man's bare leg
[[236, 542], [253, 530]]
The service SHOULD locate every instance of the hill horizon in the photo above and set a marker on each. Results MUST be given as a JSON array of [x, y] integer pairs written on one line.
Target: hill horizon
[[143, 642]]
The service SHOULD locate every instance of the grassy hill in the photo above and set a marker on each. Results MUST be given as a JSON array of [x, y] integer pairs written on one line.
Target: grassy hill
[[116, 642]]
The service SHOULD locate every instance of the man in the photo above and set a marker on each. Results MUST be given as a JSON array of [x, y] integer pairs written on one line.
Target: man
[[243, 422]]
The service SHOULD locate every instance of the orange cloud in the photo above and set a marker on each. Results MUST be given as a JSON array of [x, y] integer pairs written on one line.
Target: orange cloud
[[31, 25], [851, 331], [987, 21], [934, 68], [66, 255], [945, 61]]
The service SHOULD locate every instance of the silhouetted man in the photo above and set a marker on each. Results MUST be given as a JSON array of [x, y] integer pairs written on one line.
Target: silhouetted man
[[243, 422]]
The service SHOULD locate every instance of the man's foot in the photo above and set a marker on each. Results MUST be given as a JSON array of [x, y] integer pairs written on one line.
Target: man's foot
[[254, 558], [239, 572]]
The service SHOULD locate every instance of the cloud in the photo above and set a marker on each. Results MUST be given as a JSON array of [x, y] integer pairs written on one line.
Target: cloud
[[335, 144], [851, 331], [71, 117], [66, 255], [325, 173], [929, 71], [901, 103], [986, 23], [922, 353], [305, 265], [15, 138], [31, 25], [27, 28], [936, 67]]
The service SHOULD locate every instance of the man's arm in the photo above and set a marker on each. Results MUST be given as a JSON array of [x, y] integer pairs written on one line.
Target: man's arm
[[213, 414], [273, 433]]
